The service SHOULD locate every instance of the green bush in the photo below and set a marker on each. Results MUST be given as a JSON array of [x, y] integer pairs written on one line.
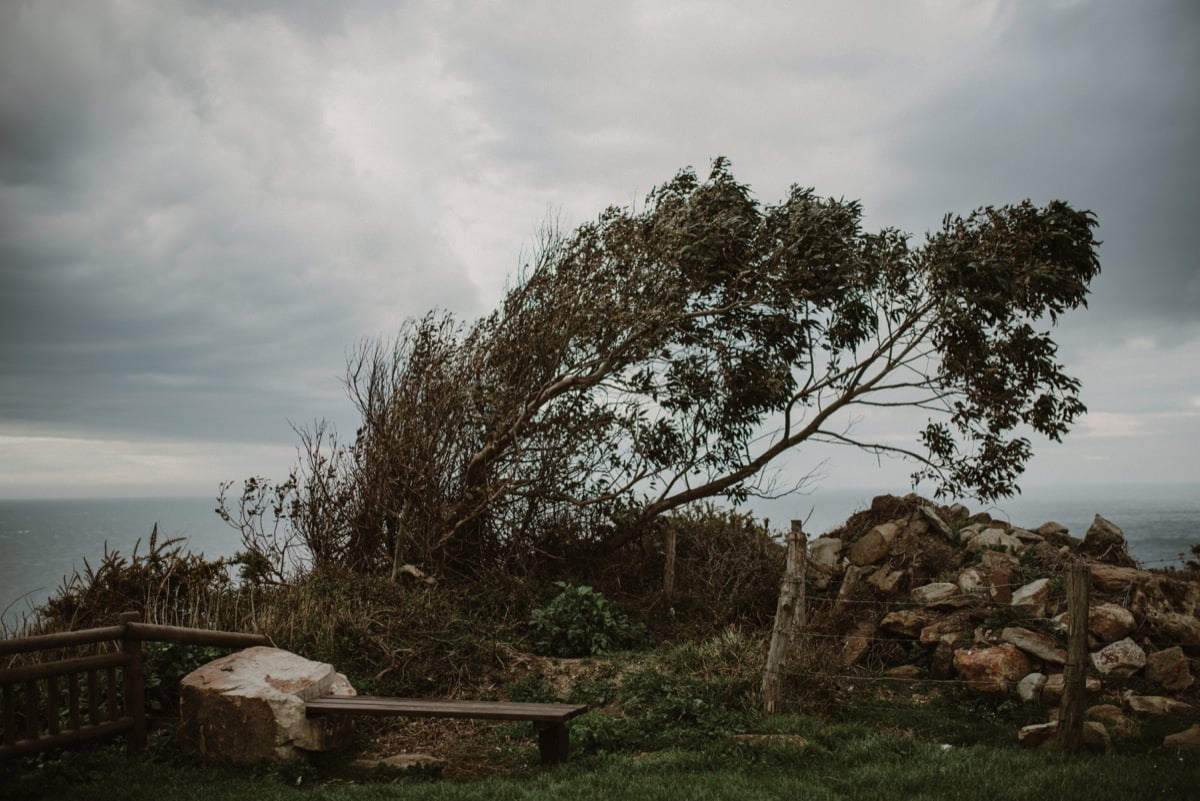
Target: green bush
[[582, 622]]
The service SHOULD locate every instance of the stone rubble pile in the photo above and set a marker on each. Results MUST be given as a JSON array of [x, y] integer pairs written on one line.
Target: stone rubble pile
[[986, 599]]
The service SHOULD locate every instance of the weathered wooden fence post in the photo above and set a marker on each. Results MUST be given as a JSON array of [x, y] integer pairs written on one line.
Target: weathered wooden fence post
[[133, 686], [1070, 710], [789, 618], [669, 568]]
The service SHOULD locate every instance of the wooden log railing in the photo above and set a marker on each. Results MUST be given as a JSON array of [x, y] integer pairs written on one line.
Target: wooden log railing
[[98, 704]]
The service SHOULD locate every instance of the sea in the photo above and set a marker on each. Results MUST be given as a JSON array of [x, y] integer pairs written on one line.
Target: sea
[[44, 541]]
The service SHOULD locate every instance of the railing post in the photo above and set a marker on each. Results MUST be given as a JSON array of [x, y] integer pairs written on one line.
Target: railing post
[[134, 685], [1070, 710]]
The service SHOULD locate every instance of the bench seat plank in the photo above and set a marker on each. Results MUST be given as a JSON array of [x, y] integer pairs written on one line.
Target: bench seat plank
[[421, 708]]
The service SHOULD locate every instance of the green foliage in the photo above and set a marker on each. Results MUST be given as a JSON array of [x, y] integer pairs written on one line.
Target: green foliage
[[630, 371], [581, 622]]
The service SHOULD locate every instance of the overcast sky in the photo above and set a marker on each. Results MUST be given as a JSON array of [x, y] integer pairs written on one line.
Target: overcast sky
[[204, 205]]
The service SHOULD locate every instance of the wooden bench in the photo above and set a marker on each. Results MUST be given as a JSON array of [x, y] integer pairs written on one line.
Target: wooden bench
[[549, 720]]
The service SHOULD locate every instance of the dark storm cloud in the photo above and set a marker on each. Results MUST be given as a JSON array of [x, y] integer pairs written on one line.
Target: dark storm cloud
[[182, 251], [1092, 103], [202, 204]]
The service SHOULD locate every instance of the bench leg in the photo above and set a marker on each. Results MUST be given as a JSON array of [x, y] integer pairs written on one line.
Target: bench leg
[[553, 742]]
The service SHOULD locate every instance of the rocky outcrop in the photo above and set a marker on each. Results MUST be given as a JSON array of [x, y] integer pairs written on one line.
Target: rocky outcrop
[[249, 706], [987, 602]]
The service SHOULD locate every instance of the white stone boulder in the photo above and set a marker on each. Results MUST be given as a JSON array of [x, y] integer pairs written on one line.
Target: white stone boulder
[[249, 706], [1121, 658]]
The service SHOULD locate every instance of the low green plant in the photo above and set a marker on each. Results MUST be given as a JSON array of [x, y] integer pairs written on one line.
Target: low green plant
[[581, 622]]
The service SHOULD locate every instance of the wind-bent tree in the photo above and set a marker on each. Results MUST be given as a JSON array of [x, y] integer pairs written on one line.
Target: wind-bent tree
[[661, 356]]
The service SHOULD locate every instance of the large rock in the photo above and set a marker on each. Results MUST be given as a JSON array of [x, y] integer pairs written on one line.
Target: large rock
[[1121, 658], [249, 706], [992, 670], [999, 569], [936, 523], [1113, 719], [1157, 705], [1169, 669], [932, 594], [1182, 629], [992, 538], [1186, 740], [906, 622], [823, 559], [1052, 690], [873, 546], [1045, 734], [1110, 622], [1113, 578], [972, 581], [885, 580], [1040, 645], [1032, 597], [858, 641], [1030, 687], [1106, 542]]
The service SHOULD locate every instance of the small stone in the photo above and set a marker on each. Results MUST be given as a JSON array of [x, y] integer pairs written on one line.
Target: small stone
[[1037, 734], [1030, 687], [1052, 530], [1169, 669], [942, 631], [1027, 537], [1032, 597], [1186, 740], [956, 512], [934, 593], [1095, 736], [886, 581], [971, 581], [1121, 658], [905, 672], [1040, 645]]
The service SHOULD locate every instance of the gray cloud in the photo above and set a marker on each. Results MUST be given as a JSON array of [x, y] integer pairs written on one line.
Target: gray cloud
[[203, 204]]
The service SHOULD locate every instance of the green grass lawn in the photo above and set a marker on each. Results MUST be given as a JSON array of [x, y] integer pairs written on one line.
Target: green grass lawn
[[847, 761]]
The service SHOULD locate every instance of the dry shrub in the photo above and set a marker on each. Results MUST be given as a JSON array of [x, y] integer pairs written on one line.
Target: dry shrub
[[165, 584], [727, 570], [397, 637]]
